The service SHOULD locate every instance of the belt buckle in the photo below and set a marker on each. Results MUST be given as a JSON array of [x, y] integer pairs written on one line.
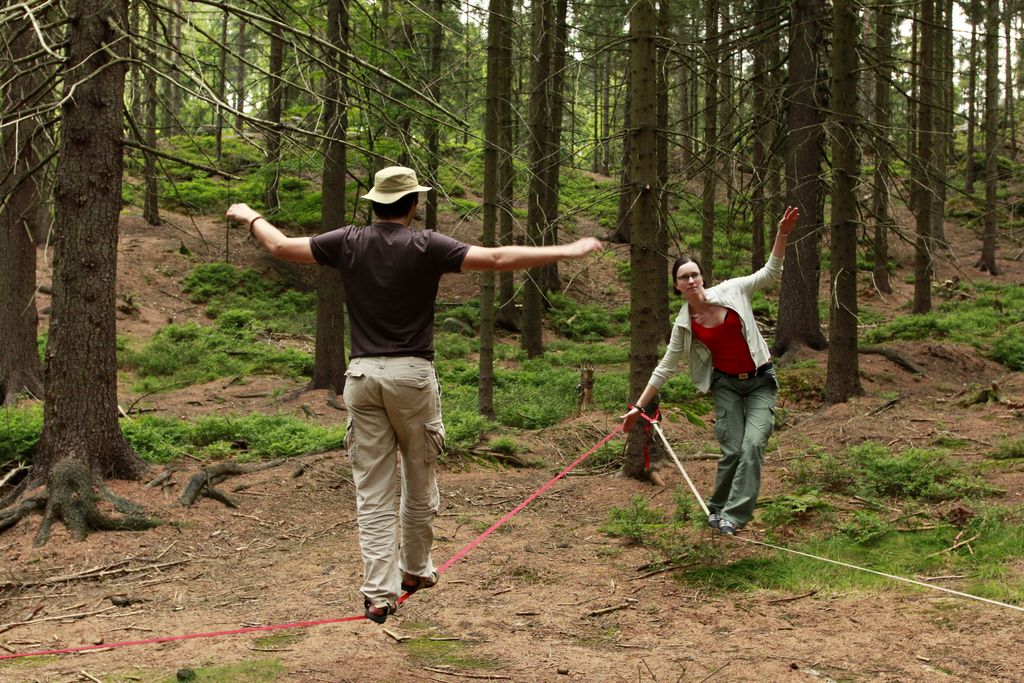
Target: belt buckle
[[743, 375]]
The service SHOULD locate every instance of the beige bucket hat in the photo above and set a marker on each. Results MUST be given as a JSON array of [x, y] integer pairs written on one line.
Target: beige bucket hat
[[392, 183]]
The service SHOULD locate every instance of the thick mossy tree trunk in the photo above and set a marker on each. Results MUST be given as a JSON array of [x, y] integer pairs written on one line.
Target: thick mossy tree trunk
[[80, 418]]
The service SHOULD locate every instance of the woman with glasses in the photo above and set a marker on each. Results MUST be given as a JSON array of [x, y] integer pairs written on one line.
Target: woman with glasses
[[726, 354]]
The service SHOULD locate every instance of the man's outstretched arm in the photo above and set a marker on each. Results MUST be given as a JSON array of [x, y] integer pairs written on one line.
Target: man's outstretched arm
[[273, 240], [519, 258]]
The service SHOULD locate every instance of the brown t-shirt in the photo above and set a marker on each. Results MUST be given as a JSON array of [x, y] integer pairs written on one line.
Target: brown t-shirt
[[391, 274]]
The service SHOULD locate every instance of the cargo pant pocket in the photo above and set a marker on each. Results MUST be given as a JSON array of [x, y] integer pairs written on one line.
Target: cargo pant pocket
[[435, 439]]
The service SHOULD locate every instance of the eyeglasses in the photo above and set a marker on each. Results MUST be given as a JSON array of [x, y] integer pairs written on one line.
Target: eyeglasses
[[688, 276]]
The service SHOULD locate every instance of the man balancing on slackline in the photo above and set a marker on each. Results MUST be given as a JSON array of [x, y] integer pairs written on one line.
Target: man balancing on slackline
[[391, 273]]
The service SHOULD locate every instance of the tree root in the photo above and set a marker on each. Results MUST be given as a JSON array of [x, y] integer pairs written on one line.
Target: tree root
[[894, 356], [71, 498], [203, 482]]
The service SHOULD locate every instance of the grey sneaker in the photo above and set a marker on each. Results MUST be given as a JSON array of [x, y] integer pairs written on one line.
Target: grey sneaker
[[726, 527], [714, 520]]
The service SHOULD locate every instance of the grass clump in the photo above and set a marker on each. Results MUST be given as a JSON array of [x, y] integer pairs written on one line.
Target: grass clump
[[252, 671], [189, 353], [20, 428], [873, 471], [432, 650], [273, 305], [243, 437], [636, 523], [586, 322], [983, 315], [792, 508], [1009, 449]]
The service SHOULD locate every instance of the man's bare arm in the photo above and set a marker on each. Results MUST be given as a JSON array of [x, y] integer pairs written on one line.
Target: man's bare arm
[[279, 245], [519, 258]]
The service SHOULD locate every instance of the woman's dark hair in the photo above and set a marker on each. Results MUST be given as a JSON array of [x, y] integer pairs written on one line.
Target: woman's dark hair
[[682, 260], [396, 209]]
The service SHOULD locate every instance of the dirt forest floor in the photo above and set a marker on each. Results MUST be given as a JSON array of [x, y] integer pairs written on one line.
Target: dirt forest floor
[[547, 597]]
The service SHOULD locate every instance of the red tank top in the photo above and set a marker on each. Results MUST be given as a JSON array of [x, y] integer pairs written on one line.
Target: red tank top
[[729, 350]]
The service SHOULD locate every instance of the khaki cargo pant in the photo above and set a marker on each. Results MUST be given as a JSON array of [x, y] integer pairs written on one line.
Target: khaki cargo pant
[[394, 405]]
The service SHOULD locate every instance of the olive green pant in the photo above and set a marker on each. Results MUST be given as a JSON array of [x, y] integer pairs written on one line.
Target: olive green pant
[[744, 419], [394, 405]]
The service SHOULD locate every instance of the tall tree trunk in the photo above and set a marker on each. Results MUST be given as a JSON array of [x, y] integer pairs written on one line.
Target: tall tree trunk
[[882, 145], [497, 26], [606, 118], [222, 83], [987, 262], [923, 186], [799, 320], [707, 236], [972, 97], [80, 412], [623, 222], [842, 379], [661, 303], [275, 105], [241, 47], [21, 151], [1009, 81], [685, 86], [942, 122], [150, 194], [329, 356], [761, 137], [540, 127], [508, 313], [646, 264], [433, 132], [554, 144], [172, 93]]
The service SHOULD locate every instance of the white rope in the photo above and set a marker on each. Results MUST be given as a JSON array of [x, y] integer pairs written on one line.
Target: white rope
[[752, 541], [700, 500]]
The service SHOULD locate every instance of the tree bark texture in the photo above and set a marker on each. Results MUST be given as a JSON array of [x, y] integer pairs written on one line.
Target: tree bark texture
[[882, 146], [433, 132], [540, 127], [508, 313], [799, 319], [552, 181], [970, 169], [22, 182], [922, 173], [842, 378], [151, 195], [329, 357], [646, 263], [496, 28], [987, 262], [707, 237], [275, 106], [80, 417]]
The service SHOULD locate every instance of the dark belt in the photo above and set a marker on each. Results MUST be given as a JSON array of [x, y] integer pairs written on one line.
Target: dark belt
[[760, 372]]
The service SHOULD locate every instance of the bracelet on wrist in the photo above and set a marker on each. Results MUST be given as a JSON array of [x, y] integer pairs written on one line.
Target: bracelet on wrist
[[252, 221]]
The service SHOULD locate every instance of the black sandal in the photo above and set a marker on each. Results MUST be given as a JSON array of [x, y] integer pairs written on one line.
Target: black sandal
[[420, 582], [368, 612]]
